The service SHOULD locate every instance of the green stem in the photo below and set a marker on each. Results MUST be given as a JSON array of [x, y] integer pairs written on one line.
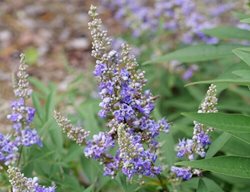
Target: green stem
[[163, 185], [19, 158]]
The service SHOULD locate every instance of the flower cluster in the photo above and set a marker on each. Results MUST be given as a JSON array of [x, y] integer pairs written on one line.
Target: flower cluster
[[135, 159], [99, 145], [180, 16], [77, 134], [23, 115], [200, 140], [21, 85], [21, 118], [126, 107], [8, 150], [21, 135], [184, 173], [20, 183]]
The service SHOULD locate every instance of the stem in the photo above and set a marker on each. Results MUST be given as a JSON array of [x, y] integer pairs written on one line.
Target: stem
[[82, 178], [163, 185], [20, 154]]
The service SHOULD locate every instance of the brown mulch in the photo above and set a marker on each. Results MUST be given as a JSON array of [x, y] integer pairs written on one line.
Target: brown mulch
[[55, 32]]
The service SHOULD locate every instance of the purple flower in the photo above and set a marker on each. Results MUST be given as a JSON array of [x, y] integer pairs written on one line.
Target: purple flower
[[100, 69], [39, 188], [21, 183], [164, 125], [17, 104], [125, 113], [15, 117], [102, 114], [188, 73], [30, 137], [8, 150], [124, 74], [134, 158], [30, 114], [183, 173], [220, 9], [111, 167], [17, 127], [200, 140], [106, 88], [99, 145], [22, 116], [185, 147], [125, 106], [182, 16], [203, 139]]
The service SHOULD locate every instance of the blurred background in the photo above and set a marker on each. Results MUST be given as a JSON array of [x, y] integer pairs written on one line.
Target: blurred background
[[55, 39]]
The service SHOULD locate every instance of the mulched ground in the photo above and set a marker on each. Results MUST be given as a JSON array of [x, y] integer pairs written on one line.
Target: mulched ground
[[52, 33]]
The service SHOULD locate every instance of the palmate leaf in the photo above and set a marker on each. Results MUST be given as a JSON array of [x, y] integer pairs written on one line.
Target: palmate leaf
[[228, 33], [225, 122], [227, 165], [197, 53]]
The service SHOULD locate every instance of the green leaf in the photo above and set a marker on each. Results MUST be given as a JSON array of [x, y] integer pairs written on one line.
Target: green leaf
[[56, 136], [50, 104], [167, 153], [92, 169], [244, 74], [39, 109], [245, 137], [240, 15], [213, 186], [125, 184], [40, 86], [243, 54], [89, 189], [202, 186], [225, 122], [226, 165], [245, 20], [74, 153], [236, 147], [210, 184], [197, 53], [228, 33], [217, 144], [88, 111], [31, 55], [230, 81], [71, 183]]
